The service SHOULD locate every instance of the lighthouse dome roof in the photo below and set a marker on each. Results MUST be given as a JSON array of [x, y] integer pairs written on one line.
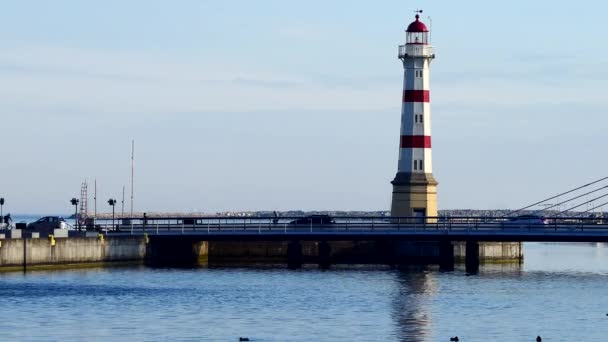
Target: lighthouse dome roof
[[417, 26]]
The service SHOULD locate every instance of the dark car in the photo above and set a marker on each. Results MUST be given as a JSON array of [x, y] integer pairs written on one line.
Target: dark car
[[315, 220], [47, 224]]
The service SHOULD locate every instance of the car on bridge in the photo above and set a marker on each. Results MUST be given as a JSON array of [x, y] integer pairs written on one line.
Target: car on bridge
[[47, 224], [314, 220]]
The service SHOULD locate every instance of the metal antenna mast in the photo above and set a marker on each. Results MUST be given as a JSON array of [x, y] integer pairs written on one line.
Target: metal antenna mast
[[132, 172], [95, 198], [122, 210]]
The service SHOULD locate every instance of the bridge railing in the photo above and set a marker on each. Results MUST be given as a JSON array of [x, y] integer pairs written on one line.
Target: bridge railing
[[351, 224]]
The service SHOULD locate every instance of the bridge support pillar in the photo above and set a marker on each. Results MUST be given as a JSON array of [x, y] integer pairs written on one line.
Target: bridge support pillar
[[324, 255], [446, 256], [176, 251], [294, 255], [472, 257]]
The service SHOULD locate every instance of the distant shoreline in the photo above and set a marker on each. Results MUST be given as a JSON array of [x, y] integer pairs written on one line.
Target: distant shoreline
[[301, 213], [337, 213]]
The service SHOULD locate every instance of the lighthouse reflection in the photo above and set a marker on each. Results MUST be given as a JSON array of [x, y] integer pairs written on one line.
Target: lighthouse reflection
[[411, 309]]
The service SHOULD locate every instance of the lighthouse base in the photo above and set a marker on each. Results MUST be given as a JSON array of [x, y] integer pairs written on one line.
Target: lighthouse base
[[414, 195]]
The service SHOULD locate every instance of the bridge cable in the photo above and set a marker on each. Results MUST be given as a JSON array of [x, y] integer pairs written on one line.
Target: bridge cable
[[588, 210], [594, 199], [571, 199], [556, 196]]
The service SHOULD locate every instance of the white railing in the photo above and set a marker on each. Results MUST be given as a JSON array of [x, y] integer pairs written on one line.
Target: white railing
[[416, 50]]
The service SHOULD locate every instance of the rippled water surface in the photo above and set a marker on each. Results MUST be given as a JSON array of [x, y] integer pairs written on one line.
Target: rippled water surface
[[559, 293]]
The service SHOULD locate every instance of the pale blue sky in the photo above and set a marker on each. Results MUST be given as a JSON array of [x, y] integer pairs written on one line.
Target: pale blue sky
[[277, 105]]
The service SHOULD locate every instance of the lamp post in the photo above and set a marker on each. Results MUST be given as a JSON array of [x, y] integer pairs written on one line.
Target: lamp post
[[1, 210], [74, 202], [112, 202]]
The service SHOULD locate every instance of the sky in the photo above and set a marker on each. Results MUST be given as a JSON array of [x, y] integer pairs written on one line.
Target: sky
[[279, 105]]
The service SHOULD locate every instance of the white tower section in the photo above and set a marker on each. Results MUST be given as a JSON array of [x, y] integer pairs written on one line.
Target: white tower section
[[414, 188]]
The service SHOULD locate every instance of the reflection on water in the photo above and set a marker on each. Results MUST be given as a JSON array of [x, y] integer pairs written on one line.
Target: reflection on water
[[410, 309], [558, 293]]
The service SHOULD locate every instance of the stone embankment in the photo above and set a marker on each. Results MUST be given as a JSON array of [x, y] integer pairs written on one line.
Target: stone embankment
[[56, 252]]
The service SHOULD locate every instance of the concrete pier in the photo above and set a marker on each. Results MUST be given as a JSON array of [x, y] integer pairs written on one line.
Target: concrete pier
[[446, 256], [294, 255], [324, 255], [472, 257], [490, 252], [176, 252]]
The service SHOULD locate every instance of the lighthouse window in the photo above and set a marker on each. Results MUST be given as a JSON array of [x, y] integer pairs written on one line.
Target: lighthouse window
[[420, 118], [415, 165], [420, 162]]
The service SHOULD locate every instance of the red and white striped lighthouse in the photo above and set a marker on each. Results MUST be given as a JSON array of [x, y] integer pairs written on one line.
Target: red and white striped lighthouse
[[414, 187]]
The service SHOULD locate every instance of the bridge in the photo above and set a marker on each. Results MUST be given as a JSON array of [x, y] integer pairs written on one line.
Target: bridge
[[180, 233], [562, 229]]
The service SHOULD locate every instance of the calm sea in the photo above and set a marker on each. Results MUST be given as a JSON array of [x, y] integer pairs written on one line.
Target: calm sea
[[559, 293]]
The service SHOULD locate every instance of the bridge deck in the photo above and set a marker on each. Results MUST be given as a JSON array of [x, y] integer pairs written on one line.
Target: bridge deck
[[571, 232]]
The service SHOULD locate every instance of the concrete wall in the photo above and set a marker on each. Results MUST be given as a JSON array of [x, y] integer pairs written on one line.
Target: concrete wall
[[255, 250], [424, 252], [492, 251], [201, 249], [260, 251], [413, 190], [71, 250], [82, 250], [414, 252], [407, 198]]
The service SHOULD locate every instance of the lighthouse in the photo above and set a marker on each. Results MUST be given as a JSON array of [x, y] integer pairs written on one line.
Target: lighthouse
[[414, 187]]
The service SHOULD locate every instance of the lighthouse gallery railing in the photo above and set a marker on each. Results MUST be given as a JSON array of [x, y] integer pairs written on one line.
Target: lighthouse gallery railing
[[416, 50]]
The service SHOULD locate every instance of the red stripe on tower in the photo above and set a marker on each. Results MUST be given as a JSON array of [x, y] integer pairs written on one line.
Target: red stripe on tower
[[416, 96], [415, 141]]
